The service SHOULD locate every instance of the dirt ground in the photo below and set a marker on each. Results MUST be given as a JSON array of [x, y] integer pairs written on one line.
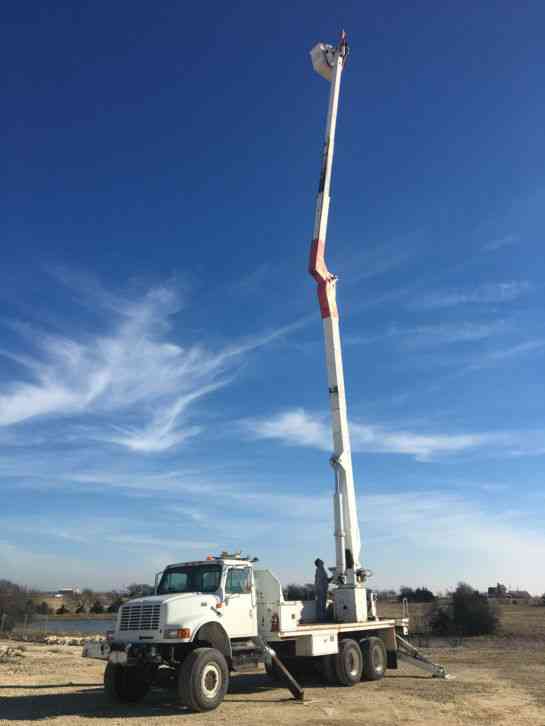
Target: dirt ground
[[497, 681]]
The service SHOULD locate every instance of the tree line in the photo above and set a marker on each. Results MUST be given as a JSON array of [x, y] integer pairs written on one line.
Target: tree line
[[465, 611], [420, 594], [18, 603]]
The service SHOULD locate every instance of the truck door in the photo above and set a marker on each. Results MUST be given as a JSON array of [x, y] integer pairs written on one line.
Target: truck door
[[239, 613]]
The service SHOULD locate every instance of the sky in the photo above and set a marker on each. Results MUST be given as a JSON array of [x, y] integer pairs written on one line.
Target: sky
[[163, 390]]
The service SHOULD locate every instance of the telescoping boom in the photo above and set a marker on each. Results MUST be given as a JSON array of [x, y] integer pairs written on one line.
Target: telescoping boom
[[329, 62]]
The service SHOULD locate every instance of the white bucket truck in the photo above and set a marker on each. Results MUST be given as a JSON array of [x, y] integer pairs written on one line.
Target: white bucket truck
[[222, 614]]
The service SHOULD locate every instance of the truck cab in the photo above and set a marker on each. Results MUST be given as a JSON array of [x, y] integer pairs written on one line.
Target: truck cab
[[200, 624], [189, 596]]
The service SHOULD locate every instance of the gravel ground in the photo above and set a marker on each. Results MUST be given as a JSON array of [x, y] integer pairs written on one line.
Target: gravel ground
[[496, 682]]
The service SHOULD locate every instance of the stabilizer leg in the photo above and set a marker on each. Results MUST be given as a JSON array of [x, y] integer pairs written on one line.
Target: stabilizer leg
[[290, 682], [409, 654]]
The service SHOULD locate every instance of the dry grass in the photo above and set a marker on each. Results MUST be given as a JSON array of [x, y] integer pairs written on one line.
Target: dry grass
[[524, 621], [518, 621]]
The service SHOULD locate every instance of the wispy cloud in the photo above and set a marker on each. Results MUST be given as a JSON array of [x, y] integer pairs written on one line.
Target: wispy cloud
[[254, 280], [295, 427], [374, 263], [447, 333], [184, 482], [161, 433], [139, 541], [493, 357], [432, 335], [467, 533], [468, 530], [494, 293], [134, 370], [299, 428], [497, 244]]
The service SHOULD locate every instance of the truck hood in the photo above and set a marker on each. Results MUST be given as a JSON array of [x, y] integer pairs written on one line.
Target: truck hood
[[177, 610], [178, 597]]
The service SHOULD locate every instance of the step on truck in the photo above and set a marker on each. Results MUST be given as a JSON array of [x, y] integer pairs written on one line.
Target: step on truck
[[222, 614]]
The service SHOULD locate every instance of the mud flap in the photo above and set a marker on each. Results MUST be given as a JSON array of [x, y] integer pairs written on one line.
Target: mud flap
[[391, 656]]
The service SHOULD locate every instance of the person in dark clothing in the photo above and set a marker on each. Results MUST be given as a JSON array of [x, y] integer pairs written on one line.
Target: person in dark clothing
[[321, 582]]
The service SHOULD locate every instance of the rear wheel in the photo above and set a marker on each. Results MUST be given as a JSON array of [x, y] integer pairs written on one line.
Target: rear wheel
[[203, 679], [124, 684], [374, 658], [348, 663]]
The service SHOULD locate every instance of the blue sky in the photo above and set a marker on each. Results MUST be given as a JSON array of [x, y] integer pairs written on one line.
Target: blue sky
[[162, 380]]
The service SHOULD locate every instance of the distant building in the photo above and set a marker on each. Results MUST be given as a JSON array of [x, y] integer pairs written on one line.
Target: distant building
[[68, 592], [519, 595], [499, 592]]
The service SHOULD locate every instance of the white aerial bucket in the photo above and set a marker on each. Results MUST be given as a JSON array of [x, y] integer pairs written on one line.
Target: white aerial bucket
[[323, 58]]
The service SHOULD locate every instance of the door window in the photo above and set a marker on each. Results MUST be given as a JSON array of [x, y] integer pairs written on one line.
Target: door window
[[238, 581]]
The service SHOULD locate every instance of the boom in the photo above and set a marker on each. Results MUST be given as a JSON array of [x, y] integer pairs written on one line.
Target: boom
[[329, 62]]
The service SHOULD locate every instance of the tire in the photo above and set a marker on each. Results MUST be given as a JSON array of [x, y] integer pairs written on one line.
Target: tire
[[375, 660], [125, 685], [203, 679], [348, 663]]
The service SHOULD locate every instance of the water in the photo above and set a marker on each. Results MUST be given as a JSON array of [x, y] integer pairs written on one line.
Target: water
[[89, 627]]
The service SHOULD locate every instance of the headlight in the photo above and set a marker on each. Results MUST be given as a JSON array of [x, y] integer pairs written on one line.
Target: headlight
[[180, 633]]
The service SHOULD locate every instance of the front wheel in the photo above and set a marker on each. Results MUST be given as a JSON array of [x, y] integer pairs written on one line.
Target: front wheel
[[125, 684], [203, 679]]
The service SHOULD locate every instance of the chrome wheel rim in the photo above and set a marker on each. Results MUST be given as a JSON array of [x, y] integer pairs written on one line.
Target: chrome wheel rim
[[354, 664], [211, 680], [378, 661]]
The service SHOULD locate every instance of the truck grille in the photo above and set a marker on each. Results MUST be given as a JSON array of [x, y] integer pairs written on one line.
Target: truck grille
[[140, 617]]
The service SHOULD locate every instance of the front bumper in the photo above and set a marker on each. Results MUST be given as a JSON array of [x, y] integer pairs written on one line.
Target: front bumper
[[97, 649], [128, 654]]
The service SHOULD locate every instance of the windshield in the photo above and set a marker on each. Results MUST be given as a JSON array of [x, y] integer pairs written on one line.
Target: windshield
[[190, 578]]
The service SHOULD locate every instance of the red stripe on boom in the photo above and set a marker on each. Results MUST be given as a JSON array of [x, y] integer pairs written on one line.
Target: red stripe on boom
[[326, 281]]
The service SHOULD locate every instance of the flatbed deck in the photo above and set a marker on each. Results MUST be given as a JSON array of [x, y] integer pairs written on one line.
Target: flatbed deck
[[309, 628]]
